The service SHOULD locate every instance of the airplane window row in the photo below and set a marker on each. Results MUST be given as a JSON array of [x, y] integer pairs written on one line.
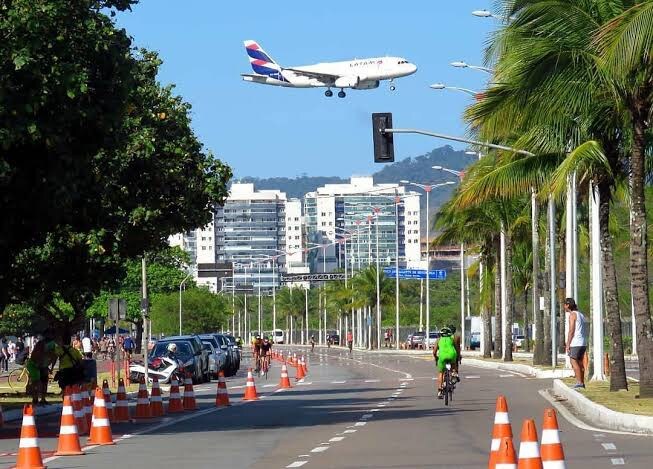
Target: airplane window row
[[402, 62]]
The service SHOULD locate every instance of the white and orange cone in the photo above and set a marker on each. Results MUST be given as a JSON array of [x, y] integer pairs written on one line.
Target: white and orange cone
[[100, 426], [189, 394], [529, 450], [156, 401], [68, 437], [88, 406], [505, 455], [29, 454], [107, 399], [174, 401], [553, 456], [300, 372], [143, 410], [121, 412], [222, 396], [250, 388], [501, 428], [78, 411], [285, 381]]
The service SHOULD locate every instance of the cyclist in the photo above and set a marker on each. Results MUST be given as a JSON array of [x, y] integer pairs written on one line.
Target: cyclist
[[266, 346], [456, 341], [258, 343], [312, 343], [444, 352], [39, 373], [350, 341]]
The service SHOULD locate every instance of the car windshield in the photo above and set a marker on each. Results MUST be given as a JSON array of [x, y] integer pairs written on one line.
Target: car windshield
[[207, 346], [183, 350], [433, 335], [212, 340], [278, 333]]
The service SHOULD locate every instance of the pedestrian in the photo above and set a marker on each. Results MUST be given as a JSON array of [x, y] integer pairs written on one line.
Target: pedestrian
[[38, 373], [4, 355], [128, 347], [77, 344], [111, 348], [87, 347], [104, 347], [576, 344]]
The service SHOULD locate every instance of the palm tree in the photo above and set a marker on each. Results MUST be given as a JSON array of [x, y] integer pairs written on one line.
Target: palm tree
[[364, 284], [291, 304], [625, 46], [552, 94]]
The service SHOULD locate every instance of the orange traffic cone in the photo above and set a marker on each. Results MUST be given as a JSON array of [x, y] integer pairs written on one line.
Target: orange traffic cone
[[100, 426], [143, 402], [505, 455], [222, 397], [300, 372], [68, 436], [29, 454], [501, 428], [250, 388], [304, 365], [529, 450], [88, 406], [553, 457], [174, 402], [156, 404], [107, 399], [121, 413], [78, 411], [285, 382], [189, 394]]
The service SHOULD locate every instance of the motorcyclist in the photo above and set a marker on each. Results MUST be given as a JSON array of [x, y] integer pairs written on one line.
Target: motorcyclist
[[172, 352]]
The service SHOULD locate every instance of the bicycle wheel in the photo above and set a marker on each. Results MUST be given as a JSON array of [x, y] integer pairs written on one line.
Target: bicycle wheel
[[18, 379], [445, 388]]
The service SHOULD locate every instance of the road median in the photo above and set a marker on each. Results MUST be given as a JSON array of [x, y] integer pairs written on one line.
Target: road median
[[521, 368]]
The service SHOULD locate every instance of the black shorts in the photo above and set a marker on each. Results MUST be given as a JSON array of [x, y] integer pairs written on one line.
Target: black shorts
[[577, 353]]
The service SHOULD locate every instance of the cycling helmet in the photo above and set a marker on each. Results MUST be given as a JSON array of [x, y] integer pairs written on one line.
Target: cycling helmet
[[452, 328], [445, 332], [172, 347]]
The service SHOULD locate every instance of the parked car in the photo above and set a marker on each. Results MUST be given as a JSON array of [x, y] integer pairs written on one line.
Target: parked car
[[190, 352], [235, 350], [433, 337], [278, 336], [334, 338], [415, 340], [475, 340], [217, 358], [232, 359], [518, 340]]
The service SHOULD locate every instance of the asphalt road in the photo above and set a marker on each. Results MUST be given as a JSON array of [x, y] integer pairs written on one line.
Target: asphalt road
[[371, 411]]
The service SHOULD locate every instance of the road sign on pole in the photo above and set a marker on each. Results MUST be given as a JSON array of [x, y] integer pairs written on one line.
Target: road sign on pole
[[117, 308], [415, 273]]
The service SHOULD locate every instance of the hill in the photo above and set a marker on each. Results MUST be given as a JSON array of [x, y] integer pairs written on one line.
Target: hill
[[416, 169]]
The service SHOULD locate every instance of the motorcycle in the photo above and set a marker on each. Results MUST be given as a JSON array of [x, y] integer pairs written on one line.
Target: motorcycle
[[163, 368]]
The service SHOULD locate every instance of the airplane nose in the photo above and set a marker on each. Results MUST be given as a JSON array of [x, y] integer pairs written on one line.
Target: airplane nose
[[412, 68]]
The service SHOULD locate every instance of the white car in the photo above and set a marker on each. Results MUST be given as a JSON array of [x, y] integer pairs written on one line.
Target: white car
[[518, 340], [433, 337], [278, 337]]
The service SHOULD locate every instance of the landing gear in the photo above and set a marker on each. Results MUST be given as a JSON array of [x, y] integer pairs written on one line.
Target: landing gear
[[393, 87], [341, 94], [328, 93]]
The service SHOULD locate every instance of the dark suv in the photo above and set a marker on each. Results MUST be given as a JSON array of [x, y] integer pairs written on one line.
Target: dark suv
[[190, 352], [233, 359]]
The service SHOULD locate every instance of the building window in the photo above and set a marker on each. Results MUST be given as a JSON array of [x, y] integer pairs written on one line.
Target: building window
[[203, 248], [323, 223], [296, 218], [296, 228], [210, 248], [323, 214], [203, 238]]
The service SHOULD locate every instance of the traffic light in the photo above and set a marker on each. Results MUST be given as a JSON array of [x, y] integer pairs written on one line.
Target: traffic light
[[384, 149]]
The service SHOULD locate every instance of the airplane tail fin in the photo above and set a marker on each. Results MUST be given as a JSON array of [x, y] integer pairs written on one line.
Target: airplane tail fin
[[261, 62]]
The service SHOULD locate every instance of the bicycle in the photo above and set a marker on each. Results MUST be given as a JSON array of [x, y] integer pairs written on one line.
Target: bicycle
[[263, 365], [18, 379], [448, 384]]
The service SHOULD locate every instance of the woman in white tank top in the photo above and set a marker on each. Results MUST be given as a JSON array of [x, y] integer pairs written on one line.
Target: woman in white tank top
[[576, 345]]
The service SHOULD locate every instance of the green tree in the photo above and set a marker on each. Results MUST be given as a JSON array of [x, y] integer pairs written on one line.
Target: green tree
[[202, 311]]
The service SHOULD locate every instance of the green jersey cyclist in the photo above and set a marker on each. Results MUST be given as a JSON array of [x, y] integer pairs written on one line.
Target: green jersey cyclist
[[444, 352]]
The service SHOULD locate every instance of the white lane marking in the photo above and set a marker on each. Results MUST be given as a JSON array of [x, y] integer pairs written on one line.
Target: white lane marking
[[599, 435], [473, 377], [381, 405], [374, 410], [337, 438], [372, 380], [350, 431], [618, 461], [302, 383], [367, 416], [319, 449], [338, 382], [360, 424], [406, 379], [506, 376], [297, 464], [609, 446], [269, 385], [304, 456], [237, 387]]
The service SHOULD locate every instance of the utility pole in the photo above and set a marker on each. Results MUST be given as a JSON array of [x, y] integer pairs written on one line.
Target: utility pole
[[144, 310]]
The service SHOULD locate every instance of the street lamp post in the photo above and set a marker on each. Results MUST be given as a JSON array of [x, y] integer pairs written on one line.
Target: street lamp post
[[397, 201], [442, 86], [180, 287], [378, 291], [463, 64]]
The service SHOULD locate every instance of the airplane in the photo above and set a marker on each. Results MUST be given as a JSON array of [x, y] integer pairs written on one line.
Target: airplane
[[362, 74]]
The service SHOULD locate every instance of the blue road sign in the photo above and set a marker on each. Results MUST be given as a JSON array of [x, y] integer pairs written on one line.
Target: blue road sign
[[415, 273]]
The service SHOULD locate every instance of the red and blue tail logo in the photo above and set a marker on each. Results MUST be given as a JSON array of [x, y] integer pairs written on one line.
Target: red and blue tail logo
[[262, 63]]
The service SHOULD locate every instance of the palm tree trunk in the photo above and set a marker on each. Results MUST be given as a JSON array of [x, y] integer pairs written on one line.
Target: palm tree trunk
[[509, 303], [560, 292], [538, 352], [638, 248], [486, 315], [611, 294], [497, 303]]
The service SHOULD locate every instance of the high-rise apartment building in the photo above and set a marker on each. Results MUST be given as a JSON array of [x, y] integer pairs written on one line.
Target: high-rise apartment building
[[370, 216]]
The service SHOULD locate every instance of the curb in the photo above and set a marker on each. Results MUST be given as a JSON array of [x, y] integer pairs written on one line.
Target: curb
[[601, 416], [519, 368]]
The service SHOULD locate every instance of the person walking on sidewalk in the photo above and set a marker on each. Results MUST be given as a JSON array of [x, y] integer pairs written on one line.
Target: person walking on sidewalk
[[576, 344]]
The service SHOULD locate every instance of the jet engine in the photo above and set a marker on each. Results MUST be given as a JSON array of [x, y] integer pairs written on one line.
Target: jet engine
[[367, 85], [350, 81]]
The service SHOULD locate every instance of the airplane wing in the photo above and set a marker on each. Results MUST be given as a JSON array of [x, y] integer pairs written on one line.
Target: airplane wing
[[324, 77]]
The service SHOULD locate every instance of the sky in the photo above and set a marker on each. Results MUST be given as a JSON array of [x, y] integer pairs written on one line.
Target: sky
[[267, 131]]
